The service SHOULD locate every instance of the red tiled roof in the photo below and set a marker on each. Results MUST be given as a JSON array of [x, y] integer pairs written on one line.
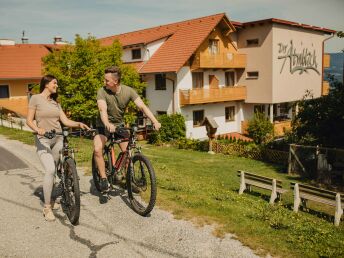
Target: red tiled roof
[[291, 23], [183, 39], [22, 61], [136, 65]]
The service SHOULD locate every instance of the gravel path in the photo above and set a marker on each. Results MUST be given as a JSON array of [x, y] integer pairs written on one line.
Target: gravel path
[[105, 230]]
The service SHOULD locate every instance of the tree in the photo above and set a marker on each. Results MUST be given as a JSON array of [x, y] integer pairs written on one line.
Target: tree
[[79, 69], [321, 120], [260, 129]]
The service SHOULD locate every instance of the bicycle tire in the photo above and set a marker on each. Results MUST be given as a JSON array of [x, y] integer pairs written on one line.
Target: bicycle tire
[[95, 172], [72, 207], [144, 201]]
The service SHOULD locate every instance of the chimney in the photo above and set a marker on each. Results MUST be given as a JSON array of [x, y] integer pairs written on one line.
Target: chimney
[[58, 40], [24, 39]]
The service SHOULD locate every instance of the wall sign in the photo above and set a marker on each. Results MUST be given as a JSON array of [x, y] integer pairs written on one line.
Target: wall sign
[[301, 61]]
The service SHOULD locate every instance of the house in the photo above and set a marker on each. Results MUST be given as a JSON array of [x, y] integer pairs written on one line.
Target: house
[[211, 66], [20, 69]]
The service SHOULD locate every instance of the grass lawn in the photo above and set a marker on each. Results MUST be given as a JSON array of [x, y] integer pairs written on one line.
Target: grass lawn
[[204, 188]]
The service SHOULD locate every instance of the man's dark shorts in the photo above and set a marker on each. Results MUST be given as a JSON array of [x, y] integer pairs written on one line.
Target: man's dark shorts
[[103, 131]]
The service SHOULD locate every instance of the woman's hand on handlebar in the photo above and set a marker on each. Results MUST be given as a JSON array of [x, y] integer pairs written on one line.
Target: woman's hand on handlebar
[[41, 131], [83, 126], [157, 126]]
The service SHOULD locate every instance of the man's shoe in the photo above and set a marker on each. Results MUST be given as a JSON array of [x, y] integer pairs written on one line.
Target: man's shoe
[[104, 185], [135, 189], [48, 214]]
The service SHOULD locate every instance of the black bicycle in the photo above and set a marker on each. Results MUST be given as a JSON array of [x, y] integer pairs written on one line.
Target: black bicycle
[[131, 170], [67, 172]]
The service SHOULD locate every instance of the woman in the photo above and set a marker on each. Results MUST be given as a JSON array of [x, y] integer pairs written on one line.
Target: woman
[[48, 114]]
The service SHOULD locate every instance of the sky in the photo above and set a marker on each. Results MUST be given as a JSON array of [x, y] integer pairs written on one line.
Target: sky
[[43, 19]]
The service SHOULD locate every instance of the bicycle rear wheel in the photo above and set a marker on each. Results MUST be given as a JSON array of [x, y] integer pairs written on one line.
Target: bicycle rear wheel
[[141, 184], [71, 192], [95, 171]]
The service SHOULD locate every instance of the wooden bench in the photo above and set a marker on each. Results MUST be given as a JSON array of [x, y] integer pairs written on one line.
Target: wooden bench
[[302, 193], [248, 179]]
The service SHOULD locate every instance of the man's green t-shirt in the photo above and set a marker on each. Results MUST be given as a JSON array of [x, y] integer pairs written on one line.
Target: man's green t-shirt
[[116, 103]]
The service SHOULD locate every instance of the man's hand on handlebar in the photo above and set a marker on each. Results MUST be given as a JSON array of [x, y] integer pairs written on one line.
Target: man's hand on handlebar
[[110, 127], [157, 126]]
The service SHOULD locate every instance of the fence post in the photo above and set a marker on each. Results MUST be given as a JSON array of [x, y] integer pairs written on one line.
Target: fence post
[[274, 192], [289, 160], [339, 210], [242, 182], [297, 199], [2, 124]]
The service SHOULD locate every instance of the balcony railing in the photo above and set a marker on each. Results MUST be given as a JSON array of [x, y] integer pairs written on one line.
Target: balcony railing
[[327, 59], [224, 60], [325, 88], [201, 96]]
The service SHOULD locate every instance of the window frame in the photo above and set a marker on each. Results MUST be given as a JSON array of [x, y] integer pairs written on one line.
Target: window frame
[[194, 120], [229, 109], [251, 75], [160, 83], [212, 46], [8, 91], [133, 55], [227, 79], [196, 77]]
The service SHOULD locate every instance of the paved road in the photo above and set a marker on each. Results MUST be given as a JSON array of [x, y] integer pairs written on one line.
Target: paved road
[[105, 230]]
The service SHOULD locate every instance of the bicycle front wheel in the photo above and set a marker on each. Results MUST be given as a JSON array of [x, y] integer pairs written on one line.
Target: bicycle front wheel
[[71, 193], [141, 184]]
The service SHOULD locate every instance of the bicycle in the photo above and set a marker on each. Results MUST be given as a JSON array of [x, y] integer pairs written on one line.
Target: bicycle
[[68, 175], [140, 180]]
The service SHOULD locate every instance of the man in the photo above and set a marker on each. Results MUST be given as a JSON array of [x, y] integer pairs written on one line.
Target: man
[[112, 100]]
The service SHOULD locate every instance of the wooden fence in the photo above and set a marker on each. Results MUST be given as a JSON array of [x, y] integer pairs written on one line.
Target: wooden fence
[[263, 154]]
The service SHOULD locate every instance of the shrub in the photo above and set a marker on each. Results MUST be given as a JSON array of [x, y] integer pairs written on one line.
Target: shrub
[[172, 128], [260, 129]]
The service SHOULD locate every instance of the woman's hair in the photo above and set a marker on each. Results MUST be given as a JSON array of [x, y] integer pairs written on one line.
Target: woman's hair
[[115, 71], [44, 81]]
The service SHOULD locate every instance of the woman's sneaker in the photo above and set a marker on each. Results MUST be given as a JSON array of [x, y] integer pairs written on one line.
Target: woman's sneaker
[[104, 185], [48, 214]]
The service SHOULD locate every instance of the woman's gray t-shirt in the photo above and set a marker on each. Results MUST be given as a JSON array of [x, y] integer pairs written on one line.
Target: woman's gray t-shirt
[[47, 112]]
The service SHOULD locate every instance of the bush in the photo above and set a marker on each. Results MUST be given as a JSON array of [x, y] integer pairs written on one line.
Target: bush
[[172, 128], [193, 144], [260, 129]]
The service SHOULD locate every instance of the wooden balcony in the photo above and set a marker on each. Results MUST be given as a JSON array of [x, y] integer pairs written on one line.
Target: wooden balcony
[[202, 96], [325, 88], [219, 61], [327, 59], [17, 105]]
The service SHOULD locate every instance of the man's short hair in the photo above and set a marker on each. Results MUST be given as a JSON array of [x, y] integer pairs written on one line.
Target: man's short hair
[[115, 71]]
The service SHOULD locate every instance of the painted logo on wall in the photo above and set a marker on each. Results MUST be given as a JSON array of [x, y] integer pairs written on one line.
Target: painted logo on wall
[[298, 61]]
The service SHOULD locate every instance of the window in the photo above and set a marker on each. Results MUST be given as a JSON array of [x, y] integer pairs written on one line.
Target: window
[[136, 53], [252, 75], [198, 117], [252, 42], [159, 113], [141, 119], [197, 80], [230, 113], [213, 46], [259, 109], [4, 92], [160, 82], [230, 78]]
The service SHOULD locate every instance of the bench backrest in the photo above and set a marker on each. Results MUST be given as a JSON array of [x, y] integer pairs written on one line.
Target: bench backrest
[[323, 193], [262, 179]]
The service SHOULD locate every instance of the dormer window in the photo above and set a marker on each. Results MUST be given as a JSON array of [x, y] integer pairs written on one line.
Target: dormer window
[[213, 46], [136, 53]]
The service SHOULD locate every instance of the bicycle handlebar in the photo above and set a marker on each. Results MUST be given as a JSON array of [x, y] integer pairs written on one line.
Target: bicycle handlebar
[[51, 134]]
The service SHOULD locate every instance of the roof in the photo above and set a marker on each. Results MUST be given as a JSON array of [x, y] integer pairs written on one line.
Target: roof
[[22, 61], [183, 38], [291, 23]]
